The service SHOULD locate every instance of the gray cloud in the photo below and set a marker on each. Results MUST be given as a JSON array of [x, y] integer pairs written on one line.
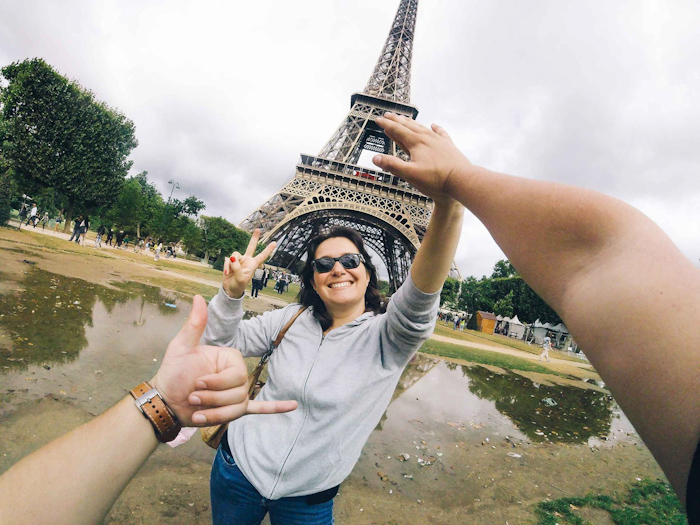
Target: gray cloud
[[226, 95]]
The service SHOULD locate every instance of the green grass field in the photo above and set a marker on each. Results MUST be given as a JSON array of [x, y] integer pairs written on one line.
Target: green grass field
[[478, 337], [483, 357]]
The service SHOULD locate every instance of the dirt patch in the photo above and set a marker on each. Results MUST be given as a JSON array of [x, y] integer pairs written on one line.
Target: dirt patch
[[484, 445]]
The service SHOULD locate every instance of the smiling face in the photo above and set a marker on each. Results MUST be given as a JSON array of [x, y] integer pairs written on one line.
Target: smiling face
[[340, 289]]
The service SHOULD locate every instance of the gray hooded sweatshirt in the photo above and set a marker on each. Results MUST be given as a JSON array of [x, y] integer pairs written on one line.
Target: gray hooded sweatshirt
[[343, 382]]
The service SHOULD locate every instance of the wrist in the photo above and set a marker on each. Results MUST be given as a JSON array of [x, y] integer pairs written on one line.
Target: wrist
[[233, 292], [152, 405]]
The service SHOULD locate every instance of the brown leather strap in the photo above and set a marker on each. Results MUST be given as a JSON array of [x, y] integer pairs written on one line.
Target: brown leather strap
[[280, 336], [157, 412], [254, 378]]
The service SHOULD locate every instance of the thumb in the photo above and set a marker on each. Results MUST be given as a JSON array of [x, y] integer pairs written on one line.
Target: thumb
[[191, 332], [391, 164]]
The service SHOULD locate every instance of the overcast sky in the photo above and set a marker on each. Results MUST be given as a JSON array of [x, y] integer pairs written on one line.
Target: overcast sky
[[226, 95]]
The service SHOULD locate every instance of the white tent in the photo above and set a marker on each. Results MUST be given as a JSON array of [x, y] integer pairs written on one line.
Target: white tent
[[516, 328]]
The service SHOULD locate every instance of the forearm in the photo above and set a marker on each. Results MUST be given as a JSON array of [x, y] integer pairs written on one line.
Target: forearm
[[434, 259], [551, 233], [78, 477]]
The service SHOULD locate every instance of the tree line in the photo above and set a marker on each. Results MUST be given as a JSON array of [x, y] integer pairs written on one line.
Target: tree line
[[503, 293], [70, 151]]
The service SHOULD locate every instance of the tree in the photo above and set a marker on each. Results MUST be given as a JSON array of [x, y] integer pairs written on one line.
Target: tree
[[191, 206], [502, 269], [192, 237], [504, 306], [450, 290], [151, 203], [56, 134], [125, 212], [222, 238]]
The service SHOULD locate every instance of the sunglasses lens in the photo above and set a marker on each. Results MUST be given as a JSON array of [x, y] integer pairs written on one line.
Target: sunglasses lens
[[350, 261], [324, 264]]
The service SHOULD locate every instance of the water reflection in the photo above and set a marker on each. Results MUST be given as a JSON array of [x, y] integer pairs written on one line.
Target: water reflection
[[558, 413], [475, 397], [46, 318]]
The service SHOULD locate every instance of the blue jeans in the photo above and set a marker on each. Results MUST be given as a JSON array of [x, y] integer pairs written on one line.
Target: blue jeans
[[234, 501]]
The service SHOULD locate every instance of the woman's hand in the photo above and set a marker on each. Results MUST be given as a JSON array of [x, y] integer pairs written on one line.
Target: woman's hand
[[434, 158], [239, 269], [207, 385]]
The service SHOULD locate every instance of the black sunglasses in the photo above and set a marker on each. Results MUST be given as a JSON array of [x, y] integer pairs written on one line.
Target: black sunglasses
[[348, 261]]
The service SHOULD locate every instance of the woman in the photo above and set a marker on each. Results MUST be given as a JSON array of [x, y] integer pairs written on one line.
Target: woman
[[59, 221], [341, 360], [84, 227]]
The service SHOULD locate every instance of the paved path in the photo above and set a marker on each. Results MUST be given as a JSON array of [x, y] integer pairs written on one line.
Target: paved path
[[508, 351], [90, 242]]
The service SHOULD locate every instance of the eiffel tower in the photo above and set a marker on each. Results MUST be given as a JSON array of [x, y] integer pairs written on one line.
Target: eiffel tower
[[332, 188]]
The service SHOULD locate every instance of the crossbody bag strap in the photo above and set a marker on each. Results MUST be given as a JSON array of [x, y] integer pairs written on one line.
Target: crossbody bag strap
[[255, 376], [280, 336]]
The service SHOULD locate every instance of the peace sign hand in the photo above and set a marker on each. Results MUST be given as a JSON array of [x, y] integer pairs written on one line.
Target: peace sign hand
[[239, 269]]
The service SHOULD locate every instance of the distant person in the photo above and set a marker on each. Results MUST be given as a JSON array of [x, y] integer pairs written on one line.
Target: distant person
[[84, 226], [59, 221], [158, 250], [266, 277], [100, 232], [44, 220], [119, 239], [23, 211], [76, 228], [546, 347], [32, 216], [256, 283], [110, 236]]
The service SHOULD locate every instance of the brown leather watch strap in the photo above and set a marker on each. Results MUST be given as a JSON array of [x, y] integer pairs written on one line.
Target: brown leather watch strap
[[152, 406]]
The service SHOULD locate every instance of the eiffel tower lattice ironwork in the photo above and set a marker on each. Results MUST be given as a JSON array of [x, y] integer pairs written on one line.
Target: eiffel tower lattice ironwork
[[332, 189]]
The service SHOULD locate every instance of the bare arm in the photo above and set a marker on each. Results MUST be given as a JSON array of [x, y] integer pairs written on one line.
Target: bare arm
[[78, 477], [624, 290]]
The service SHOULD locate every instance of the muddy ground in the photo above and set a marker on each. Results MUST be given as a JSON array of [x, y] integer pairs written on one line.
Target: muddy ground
[[460, 443]]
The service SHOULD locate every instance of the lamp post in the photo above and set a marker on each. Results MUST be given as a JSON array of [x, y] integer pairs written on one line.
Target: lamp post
[[175, 186]]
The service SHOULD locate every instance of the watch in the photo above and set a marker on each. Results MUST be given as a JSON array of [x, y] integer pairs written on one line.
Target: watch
[[151, 404]]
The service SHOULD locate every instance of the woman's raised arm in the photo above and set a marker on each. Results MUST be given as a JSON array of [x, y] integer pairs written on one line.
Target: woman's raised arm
[[434, 258]]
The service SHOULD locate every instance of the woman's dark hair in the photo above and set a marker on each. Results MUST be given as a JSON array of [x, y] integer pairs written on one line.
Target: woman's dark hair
[[374, 301]]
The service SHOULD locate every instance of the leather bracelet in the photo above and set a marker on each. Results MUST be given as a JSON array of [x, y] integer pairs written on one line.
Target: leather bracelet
[[151, 404]]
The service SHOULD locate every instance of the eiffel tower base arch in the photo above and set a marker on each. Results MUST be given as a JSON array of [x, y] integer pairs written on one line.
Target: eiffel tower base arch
[[394, 249]]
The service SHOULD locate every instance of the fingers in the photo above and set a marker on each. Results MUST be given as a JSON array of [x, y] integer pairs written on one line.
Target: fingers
[[391, 164], [271, 407], [219, 398], [233, 372], [250, 250], [263, 255], [397, 129], [226, 414], [440, 131], [233, 263], [191, 332]]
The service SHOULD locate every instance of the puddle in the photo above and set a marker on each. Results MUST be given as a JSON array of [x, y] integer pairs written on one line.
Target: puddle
[[476, 401], [45, 321]]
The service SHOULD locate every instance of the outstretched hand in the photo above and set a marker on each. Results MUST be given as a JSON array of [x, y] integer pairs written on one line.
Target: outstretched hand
[[207, 385], [239, 269], [435, 160]]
